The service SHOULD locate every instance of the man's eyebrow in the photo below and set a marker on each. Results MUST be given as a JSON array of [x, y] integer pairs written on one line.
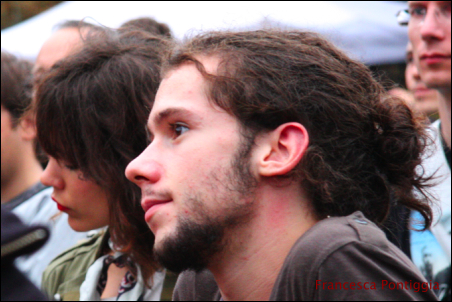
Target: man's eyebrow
[[166, 114]]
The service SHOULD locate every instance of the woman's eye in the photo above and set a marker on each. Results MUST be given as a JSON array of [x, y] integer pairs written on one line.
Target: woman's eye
[[180, 129]]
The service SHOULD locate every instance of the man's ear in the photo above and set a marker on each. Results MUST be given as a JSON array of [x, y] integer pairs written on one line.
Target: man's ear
[[27, 128], [281, 150]]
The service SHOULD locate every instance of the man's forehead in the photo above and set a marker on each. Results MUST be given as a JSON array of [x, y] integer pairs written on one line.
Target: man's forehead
[[183, 92], [176, 90], [210, 64], [182, 85]]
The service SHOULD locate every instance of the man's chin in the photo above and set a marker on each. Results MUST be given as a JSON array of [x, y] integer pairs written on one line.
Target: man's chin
[[192, 246], [437, 79]]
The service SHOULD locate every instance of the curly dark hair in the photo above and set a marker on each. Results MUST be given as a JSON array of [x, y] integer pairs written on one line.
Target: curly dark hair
[[91, 110], [365, 145]]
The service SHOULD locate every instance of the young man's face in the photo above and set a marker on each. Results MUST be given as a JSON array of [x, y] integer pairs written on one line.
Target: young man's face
[[429, 31], [195, 175]]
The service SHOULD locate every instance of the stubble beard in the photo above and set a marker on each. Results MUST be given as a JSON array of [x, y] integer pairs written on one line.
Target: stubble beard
[[198, 239]]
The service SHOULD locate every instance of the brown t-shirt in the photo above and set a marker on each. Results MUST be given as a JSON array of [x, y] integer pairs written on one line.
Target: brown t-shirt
[[340, 258]]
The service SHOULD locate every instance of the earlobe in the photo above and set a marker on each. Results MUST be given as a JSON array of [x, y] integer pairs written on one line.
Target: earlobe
[[27, 128], [284, 148]]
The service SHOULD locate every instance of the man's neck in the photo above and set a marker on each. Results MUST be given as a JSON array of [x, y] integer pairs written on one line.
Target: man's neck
[[248, 268], [444, 114], [28, 174]]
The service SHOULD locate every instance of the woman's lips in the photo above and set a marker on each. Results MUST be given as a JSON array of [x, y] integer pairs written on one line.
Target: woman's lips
[[60, 207]]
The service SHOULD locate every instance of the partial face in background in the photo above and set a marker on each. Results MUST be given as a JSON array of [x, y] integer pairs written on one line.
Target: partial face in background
[[11, 145], [429, 31], [61, 44], [195, 175], [426, 100], [83, 200]]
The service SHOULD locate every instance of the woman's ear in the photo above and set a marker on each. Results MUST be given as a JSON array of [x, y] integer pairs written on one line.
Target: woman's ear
[[281, 150]]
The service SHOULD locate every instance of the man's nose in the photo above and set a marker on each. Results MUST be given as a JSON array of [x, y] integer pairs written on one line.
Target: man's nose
[[144, 169], [431, 26]]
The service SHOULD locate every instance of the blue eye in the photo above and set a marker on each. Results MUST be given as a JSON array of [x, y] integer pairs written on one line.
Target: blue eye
[[179, 129]]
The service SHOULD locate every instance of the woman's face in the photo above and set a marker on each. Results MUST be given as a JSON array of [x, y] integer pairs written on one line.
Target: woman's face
[[83, 200]]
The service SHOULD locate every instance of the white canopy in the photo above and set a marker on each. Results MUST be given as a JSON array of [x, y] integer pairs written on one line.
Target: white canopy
[[366, 30]]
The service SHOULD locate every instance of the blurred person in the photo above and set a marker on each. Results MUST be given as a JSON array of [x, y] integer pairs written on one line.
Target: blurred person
[[91, 109], [429, 30], [20, 167], [22, 192], [149, 25], [19, 239], [66, 39], [417, 95], [425, 99], [272, 159]]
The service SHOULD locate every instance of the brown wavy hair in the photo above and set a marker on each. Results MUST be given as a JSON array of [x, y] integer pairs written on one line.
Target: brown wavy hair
[[365, 145], [91, 111]]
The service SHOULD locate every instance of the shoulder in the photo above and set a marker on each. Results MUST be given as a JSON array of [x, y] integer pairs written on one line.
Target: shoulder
[[331, 234], [69, 268], [342, 250], [82, 248], [196, 286]]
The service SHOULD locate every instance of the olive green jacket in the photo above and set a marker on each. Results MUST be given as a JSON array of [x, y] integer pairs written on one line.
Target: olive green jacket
[[65, 274]]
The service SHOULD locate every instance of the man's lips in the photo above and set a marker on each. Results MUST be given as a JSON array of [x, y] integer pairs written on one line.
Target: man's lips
[[150, 206], [59, 206], [433, 58]]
